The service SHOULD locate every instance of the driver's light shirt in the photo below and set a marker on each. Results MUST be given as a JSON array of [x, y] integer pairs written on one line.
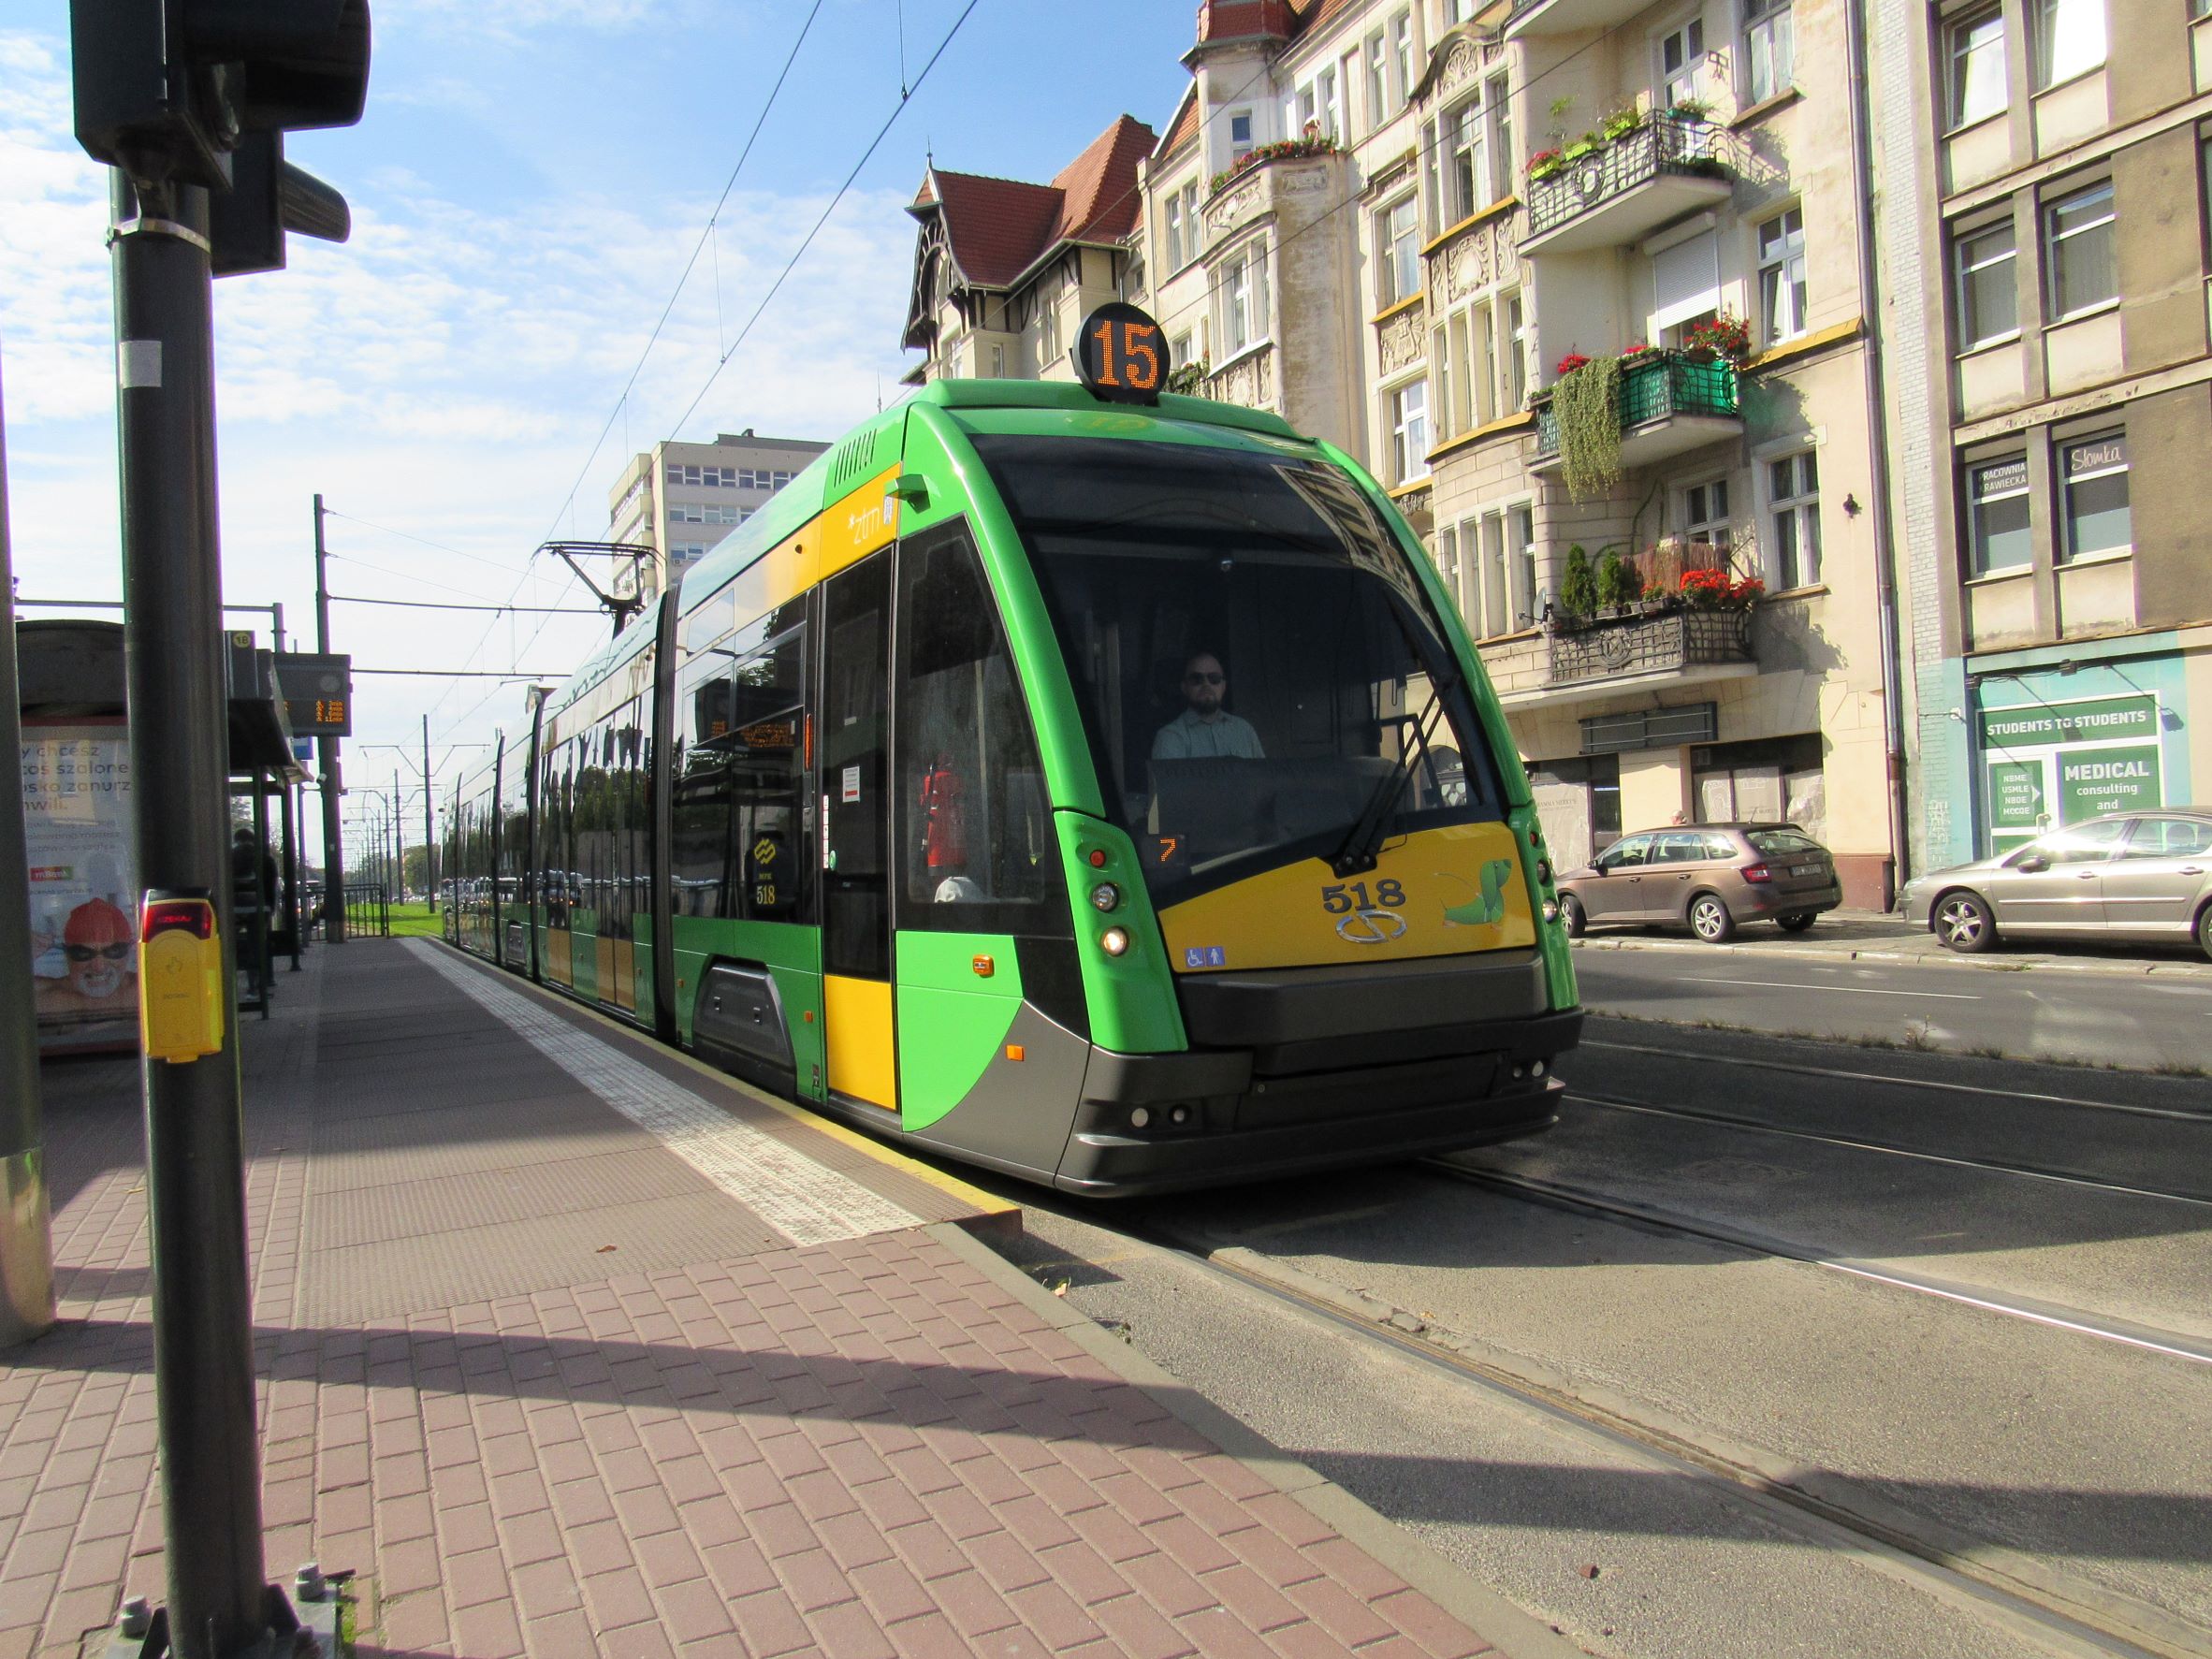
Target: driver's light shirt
[[1187, 737]]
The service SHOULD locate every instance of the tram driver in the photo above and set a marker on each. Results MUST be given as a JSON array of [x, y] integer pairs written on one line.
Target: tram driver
[[1205, 729]]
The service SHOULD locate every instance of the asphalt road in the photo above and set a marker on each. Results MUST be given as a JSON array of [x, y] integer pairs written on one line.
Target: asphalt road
[[1952, 1300], [2142, 1022]]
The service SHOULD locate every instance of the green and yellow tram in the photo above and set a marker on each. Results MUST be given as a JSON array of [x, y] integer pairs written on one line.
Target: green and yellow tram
[[1102, 792]]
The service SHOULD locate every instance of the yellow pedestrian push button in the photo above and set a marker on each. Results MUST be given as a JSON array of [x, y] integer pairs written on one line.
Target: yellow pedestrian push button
[[180, 977]]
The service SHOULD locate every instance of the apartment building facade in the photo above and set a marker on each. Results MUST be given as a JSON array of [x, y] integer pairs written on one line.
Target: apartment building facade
[[2045, 230], [683, 498]]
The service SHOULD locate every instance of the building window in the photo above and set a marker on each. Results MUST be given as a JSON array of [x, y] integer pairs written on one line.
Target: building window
[[1049, 343], [1497, 603], [2069, 39], [1448, 566], [1679, 55], [1174, 233], [1498, 109], [2077, 235], [1704, 514], [1997, 507], [1465, 412], [1316, 110], [2093, 474], [1782, 275], [1401, 60], [1978, 86], [1240, 135], [1243, 290], [1457, 12], [1988, 294], [1399, 256], [998, 362], [1378, 81], [1466, 167], [1685, 283], [1409, 432], [1793, 503], [1521, 521], [1515, 354], [1769, 49]]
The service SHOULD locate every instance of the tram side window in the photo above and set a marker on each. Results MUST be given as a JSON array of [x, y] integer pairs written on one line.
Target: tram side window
[[739, 848], [613, 818], [975, 847], [556, 852]]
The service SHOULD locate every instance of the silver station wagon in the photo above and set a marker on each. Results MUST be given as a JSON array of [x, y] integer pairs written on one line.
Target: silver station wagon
[[2130, 876]]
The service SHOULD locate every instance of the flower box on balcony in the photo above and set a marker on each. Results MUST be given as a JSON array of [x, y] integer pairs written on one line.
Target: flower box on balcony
[[1659, 387], [1612, 648]]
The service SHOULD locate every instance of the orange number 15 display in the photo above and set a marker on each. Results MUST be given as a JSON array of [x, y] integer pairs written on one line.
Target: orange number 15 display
[[1120, 356]]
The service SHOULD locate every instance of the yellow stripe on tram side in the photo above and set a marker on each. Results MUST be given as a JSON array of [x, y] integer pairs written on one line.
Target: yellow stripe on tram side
[[846, 532], [857, 523]]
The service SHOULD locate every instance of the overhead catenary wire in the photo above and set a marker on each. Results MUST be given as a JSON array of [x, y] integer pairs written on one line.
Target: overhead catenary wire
[[432, 604]]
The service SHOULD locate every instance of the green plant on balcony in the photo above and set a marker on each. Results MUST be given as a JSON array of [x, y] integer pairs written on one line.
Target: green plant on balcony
[[1724, 335], [1190, 378], [1619, 587], [1283, 150], [1620, 122], [1543, 165], [1586, 404], [1690, 109], [1719, 590], [1577, 587], [1588, 144]]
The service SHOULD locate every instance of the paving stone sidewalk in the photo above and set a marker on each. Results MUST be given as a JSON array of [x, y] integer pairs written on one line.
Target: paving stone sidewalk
[[876, 1445]]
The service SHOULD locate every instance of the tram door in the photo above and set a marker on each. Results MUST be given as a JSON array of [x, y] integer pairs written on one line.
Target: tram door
[[853, 742]]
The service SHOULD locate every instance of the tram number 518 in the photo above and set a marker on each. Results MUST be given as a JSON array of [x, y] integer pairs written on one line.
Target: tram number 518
[[1120, 356]]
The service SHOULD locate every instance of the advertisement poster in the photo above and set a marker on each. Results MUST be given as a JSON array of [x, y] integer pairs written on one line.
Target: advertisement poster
[[84, 961], [2046, 764]]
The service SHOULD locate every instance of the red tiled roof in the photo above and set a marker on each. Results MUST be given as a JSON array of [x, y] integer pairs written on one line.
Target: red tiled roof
[[1182, 126], [1312, 14], [1243, 20], [999, 228]]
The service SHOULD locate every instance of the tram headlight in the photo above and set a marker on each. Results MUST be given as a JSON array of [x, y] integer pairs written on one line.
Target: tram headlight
[[1115, 941], [1544, 871], [1106, 896], [1552, 909]]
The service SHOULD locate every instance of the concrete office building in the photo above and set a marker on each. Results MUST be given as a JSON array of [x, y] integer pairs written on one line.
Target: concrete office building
[[2045, 228], [683, 498]]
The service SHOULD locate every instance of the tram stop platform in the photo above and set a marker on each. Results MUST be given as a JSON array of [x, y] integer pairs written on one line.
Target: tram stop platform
[[568, 1346]]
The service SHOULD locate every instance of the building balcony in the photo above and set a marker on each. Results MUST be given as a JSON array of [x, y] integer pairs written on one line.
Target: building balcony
[[1568, 17], [1671, 405], [1623, 190], [1672, 647]]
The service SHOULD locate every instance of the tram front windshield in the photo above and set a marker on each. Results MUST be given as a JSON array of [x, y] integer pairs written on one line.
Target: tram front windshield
[[1261, 676]]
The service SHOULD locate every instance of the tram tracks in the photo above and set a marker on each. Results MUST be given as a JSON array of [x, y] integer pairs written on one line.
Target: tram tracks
[[2028, 1593]]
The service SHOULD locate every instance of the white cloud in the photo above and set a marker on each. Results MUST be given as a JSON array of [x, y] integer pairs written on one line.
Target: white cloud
[[445, 372]]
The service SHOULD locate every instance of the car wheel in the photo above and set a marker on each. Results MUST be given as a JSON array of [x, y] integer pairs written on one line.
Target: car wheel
[[1710, 920], [1571, 916], [1963, 923], [2204, 930], [1796, 922]]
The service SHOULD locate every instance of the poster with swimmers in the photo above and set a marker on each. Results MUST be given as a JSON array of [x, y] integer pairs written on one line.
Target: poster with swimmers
[[77, 819]]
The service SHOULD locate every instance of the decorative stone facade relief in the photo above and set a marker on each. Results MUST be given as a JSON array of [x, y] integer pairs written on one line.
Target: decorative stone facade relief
[[1482, 258], [1463, 64], [1249, 381], [1401, 342]]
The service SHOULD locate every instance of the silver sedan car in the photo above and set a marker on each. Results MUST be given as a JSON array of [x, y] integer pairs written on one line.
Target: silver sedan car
[[2134, 876]]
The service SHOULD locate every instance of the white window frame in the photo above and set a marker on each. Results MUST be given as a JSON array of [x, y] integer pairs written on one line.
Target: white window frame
[[1388, 251], [1240, 148], [1800, 510], [1769, 49], [1975, 502], [1962, 57], [1448, 568], [1673, 86], [1782, 301], [2062, 449], [2089, 46], [1409, 430], [1375, 64], [1464, 131], [1694, 510], [1964, 267], [1513, 330], [1401, 60], [1521, 554], [2054, 238], [1175, 230], [1245, 297], [1497, 114]]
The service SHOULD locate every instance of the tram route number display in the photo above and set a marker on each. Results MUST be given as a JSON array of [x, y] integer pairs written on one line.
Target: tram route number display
[[1121, 356]]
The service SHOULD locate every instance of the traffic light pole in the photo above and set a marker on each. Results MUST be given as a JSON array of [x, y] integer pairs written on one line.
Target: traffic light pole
[[333, 789], [26, 1238], [196, 1192]]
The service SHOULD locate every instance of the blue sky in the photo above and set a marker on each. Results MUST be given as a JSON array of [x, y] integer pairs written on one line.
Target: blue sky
[[528, 181]]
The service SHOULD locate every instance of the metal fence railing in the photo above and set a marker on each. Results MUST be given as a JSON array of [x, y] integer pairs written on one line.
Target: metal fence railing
[[368, 910]]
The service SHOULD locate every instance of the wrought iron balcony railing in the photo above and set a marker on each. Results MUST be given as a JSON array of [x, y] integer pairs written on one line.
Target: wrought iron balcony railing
[[1656, 386], [1612, 648], [1663, 144]]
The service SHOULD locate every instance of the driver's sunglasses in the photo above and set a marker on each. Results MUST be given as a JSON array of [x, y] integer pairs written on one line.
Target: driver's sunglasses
[[86, 953], [1205, 680]]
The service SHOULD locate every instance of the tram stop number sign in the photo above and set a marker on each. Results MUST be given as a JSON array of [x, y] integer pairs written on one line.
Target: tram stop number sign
[[318, 694], [1121, 356]]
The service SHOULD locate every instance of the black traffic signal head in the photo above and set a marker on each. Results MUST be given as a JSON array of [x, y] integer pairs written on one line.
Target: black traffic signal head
[[267, 196], [167, 89]]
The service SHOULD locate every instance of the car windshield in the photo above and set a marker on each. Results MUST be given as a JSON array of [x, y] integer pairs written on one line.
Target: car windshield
[[1776, 842], [1254, 658]]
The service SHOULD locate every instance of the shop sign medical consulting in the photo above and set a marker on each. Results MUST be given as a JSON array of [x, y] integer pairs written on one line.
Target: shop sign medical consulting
[[2054, 763]]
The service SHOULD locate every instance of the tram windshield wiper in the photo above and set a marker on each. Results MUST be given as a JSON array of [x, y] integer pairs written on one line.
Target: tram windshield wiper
[[1357, 853]]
